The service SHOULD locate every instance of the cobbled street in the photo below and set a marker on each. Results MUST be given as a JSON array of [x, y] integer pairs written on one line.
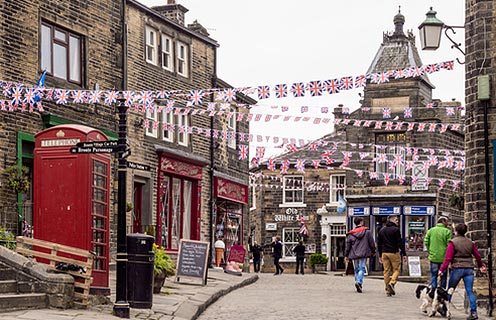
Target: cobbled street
[[319, 296]]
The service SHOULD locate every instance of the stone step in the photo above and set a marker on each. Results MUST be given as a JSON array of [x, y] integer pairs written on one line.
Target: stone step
[[8, 286], [12, 302]]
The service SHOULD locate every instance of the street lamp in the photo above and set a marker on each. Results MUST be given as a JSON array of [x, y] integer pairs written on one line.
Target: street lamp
[[430, 33]]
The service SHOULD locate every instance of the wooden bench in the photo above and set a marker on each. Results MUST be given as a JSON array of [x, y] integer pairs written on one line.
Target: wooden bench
[[82, 281]]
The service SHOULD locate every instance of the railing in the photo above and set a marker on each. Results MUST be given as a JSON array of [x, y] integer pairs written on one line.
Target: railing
[[82, 280]]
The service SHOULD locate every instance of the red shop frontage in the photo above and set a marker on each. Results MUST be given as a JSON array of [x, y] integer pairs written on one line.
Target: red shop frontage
[[178, 199], [231, 199]]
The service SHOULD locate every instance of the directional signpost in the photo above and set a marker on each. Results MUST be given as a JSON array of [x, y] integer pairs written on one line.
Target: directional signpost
[[138, 166], [97, 147]]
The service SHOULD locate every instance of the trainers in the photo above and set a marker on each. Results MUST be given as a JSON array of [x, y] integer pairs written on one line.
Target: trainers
[[473, 316], [282, 270], [358, 287], [391, 289]]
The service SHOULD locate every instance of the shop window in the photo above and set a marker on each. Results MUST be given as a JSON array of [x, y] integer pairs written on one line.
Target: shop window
[[176, 211], [228, 225], [338, 229], [61, 53], [290, 238], [293, 189], [416, 229], [390, 155], [337, 187]]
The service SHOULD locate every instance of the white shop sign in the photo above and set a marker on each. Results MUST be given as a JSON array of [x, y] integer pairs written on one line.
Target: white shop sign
[[271, 226]]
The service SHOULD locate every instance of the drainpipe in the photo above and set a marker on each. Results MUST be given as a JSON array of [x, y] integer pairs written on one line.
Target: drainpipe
[[211, 201]]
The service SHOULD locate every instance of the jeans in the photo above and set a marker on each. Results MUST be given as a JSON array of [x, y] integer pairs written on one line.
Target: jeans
[[256, 265], [299, 264], [391, 263], [359, 265], [468, 280], [434, 274]]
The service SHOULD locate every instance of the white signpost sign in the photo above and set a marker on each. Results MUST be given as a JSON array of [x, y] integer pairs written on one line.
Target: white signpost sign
[[421, 174]]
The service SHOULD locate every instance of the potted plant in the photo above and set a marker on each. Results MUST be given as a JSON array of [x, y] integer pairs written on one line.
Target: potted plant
[[318, 262], [456, 201], [163, 267], [17, 178]]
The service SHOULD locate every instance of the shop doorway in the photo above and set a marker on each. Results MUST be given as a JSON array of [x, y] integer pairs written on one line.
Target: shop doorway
[[337, 253]]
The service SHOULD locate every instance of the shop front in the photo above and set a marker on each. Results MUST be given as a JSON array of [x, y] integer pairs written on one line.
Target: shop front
[[179, 194], [418, 219], [230, 198]]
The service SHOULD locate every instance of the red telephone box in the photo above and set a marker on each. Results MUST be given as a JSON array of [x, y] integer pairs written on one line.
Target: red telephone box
[[72, 195]]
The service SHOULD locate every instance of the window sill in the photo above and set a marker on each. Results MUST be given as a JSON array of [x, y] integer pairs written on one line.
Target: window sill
[[292, 205]]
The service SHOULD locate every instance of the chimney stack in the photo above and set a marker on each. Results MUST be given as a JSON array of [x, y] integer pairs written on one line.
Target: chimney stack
[[172, 11]]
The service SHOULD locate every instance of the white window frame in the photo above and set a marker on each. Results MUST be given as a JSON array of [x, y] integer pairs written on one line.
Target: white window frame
[[231, 127], [151, 45], [166, 52], [182, 137], [151, 116], [182, 60], [289, 184], [337, 187], [167, 118], [290, 237], [253, 197], [391, 150]]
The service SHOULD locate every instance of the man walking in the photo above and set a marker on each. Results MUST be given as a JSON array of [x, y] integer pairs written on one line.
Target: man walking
[[390, 244], [436, 241], [277, 254], [359, 246], [299, 250], [257, 252]]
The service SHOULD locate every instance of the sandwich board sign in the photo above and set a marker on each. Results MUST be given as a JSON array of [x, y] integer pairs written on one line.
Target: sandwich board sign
[[192, 260]]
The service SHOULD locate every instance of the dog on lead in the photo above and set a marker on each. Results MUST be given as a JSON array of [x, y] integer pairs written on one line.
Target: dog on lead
[[434, 300]]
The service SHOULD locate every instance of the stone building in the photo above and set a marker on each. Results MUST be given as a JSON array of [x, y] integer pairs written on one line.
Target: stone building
[[480, 134], [151, 59], [400, 153]]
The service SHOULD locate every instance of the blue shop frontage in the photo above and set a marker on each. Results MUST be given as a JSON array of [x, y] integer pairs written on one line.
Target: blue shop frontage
[[415, 220]]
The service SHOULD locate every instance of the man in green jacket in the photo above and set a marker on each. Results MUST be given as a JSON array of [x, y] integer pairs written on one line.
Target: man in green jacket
[[436, 241]]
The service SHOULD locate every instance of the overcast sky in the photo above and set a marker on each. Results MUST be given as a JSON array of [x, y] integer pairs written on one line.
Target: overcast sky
[[285, 41]]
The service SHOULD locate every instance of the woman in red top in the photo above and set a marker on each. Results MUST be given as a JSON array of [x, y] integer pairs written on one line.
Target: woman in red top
[[460, 253]]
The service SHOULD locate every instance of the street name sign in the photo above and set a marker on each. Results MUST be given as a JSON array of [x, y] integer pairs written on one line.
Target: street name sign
[[138, 166]]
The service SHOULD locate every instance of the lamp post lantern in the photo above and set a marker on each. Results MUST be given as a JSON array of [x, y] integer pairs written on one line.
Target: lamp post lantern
[[430, 31]]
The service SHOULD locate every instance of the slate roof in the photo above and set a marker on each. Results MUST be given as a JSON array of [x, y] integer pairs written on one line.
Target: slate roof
[[397, 51]]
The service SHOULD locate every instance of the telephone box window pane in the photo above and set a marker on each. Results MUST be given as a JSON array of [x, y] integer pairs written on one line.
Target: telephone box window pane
[[98, 195], [99, 181], [98, 236], [99, 167], [98, 223]]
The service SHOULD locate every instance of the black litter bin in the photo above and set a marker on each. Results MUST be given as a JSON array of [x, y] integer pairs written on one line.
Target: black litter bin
[[140, 260]]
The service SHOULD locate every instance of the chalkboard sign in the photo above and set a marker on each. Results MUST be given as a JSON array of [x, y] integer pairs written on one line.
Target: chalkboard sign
[[192, 259]]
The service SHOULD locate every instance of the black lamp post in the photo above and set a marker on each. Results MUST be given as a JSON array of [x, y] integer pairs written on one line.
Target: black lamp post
[[430, 38], [121, 306]]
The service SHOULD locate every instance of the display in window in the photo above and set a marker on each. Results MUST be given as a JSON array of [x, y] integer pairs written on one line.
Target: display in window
[[416, 230]]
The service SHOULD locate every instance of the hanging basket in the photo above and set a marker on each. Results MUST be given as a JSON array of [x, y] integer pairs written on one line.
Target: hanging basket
[[17, 179]]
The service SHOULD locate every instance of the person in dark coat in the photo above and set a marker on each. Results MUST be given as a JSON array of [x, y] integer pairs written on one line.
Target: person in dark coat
[[256, 251], [277, 254], [299, 250], [359, 247], [390, 246]]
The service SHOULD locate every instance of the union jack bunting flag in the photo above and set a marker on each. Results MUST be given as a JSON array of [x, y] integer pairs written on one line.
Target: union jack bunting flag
[[281, 90], [243, 152], [400, 73], [450, 111], [379, 78], [421, 127], [448, 65], [284, 108], [324, 110], [263, 92], [303, 228], [442, 182], [61, 96], [346, 110], [298, 89], [129, 96], [229, 95], [255, 162], [271, 165], [456, 185], [315, 88], [196, 97], [304, 109], [17, 95], [162, 94], [29, 96], [260, 152], [316, 163], [429, 105], [407, 112], [346, 83], [360, 81], [111, 97], [284, 166], [145, 98], [77, 96], [386, 113], [300, 165], [332, 86]]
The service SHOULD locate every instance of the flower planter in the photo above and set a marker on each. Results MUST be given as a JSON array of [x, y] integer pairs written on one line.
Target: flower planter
[[319, 267], [158, 281]]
